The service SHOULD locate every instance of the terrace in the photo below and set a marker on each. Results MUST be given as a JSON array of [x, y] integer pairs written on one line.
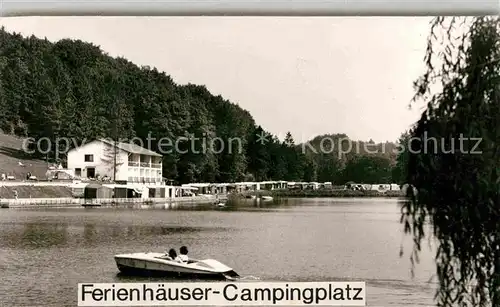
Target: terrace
[[144, 168]]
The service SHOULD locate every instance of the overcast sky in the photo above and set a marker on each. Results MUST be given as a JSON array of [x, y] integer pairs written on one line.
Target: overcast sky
[[309, 76]]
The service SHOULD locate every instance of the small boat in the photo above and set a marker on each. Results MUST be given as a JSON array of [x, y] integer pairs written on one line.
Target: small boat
[[250, 196], [159, 264], [267, 198]]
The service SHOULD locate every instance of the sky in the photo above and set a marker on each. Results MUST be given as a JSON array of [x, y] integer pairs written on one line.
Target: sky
[[306, 75]]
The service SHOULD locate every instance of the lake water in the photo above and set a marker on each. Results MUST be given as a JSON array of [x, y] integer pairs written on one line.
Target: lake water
[[45, 253]]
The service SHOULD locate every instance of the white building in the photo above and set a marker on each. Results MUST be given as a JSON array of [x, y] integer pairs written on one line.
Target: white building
[[133, 163]]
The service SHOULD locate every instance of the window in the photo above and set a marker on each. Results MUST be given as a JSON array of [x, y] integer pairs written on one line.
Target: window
[[89, 158], [91, 172], [78, 172]]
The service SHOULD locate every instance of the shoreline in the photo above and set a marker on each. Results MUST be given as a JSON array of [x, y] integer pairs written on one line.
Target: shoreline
[[69, 202], [25, 203], [331, 194]]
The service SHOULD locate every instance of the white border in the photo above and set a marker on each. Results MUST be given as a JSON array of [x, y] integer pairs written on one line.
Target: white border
[[247, 7]]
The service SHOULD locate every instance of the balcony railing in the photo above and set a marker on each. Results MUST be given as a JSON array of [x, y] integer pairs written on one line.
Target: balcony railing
[[144, 179], [156, 165], [144, 164]]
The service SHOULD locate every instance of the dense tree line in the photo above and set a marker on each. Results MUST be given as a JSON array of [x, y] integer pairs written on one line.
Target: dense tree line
[[73, 89]]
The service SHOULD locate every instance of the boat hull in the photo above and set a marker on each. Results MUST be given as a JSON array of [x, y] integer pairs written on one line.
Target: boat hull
[[152, 264], [132, 271]]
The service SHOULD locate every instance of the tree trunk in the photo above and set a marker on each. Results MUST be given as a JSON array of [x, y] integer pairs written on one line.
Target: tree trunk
[[114, 160], [115, 142]]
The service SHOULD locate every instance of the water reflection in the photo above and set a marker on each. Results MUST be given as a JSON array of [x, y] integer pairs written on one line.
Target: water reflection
[[41, 235], [231, 205], [252, 204], [115, 234], [45, 235], [34, 235], [89, 231]]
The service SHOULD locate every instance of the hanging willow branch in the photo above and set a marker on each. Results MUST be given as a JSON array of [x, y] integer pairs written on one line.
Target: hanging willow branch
[[454, 163]]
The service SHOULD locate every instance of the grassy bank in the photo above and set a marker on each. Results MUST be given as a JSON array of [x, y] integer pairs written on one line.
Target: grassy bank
[[334, 193], [28, 191], [11, 153]]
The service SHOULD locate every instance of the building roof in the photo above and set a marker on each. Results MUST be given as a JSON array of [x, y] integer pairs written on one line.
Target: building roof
[[132, 148]]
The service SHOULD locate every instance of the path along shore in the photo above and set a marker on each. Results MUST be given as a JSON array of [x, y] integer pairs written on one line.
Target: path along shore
[[52, 194], [69, 202]]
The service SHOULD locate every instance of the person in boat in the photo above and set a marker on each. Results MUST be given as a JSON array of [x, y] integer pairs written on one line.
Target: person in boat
[[172, 255], [183, 257]]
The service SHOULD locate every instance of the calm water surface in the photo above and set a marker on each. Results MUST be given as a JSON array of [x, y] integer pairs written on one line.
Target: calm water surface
[[45, 253]]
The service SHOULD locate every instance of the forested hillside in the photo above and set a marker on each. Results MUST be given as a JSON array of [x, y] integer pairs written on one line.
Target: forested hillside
[[73, 89]]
